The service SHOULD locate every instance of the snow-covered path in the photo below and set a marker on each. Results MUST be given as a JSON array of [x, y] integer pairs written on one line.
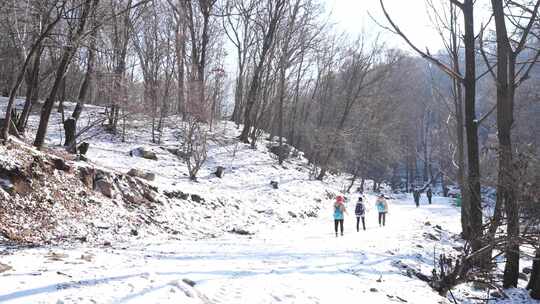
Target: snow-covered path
[[293, 264]]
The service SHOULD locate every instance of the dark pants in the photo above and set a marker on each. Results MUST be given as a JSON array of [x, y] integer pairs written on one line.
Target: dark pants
[[382, 218], [358, 223], [340, 223]]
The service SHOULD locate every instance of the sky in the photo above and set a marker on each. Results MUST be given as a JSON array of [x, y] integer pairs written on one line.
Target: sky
[[352, 17], [411, 16]]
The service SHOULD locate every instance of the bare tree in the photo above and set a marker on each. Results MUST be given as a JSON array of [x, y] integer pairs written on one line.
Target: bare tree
[[124, 15], [471, 124], [194, 143], [509, 76], [199, 16], [274, 12], [180, 20], [70, 125], [150, 49], [74, 39], [56, 12], [359, 72], [239, 28]]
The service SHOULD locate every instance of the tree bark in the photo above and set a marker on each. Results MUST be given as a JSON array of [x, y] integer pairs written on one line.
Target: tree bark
[[180, 54], [534, 281], [70, 130], [458, 109], [471, 128], [505, 112]]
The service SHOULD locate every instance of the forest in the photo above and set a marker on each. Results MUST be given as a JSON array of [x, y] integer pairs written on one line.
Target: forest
[[463, 119]]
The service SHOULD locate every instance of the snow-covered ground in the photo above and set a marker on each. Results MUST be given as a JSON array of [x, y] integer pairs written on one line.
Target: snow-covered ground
[[297, 263], [291, 257], [301, 263]]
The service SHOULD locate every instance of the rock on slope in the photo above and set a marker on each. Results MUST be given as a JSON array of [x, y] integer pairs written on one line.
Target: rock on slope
[[46, 198]]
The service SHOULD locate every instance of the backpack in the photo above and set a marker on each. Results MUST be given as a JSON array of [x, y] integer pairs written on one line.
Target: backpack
[[360, 209], [380, 206], [338, 211]]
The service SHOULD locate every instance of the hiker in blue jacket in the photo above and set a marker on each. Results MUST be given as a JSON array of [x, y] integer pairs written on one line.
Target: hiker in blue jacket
[[360, 212], [382, 208], [339, 210]]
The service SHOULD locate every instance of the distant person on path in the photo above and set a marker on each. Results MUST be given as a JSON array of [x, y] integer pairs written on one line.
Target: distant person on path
[[339, 211], [429, 195], [382, 208], [360, 212], [445, 191], [416, 195]]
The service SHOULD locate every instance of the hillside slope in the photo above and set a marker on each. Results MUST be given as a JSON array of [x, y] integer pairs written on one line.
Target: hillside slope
[[96, 200]]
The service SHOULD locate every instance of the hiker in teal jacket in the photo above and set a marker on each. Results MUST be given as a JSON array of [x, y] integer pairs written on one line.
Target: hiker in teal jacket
[[339, 212], [382, 208]]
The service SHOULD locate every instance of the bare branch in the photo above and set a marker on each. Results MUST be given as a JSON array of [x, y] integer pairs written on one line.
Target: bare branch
[[448, 70], [479, 121], [527, 29]]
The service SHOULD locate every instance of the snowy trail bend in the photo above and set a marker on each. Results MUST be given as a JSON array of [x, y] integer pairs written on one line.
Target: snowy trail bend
[[298, 264]]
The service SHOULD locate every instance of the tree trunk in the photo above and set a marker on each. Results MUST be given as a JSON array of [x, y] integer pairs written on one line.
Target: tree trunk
[[121, 37], [280, 112], [70, 128], [284, 64], [425, 146], [465, 201], [353, 179], [61, 97], [83, 91], [458, 108], [32, 91], [180, 54], [49, 102], [473, 180], [294, 110], [506, 197], [534, 281], [443, 184], [238, 96], [407, 174]]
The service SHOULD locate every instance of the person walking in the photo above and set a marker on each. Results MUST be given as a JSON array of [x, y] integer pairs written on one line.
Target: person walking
[[382, 208], [416, 195], [429, 195], [339, 214], [360, 212]]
